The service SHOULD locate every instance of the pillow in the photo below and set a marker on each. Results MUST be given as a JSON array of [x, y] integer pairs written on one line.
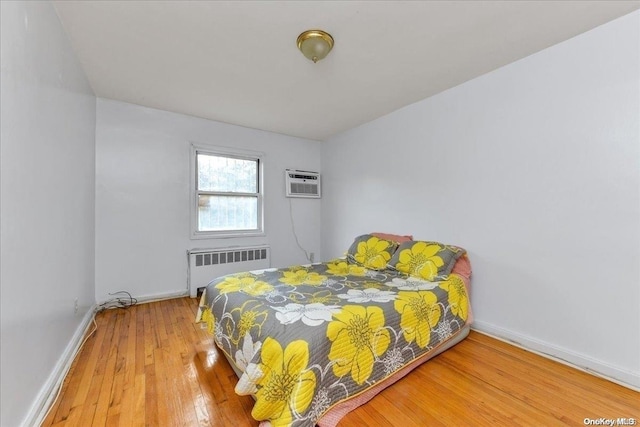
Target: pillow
[[462, 267], [425, 260], [393, 237], [371, 252]]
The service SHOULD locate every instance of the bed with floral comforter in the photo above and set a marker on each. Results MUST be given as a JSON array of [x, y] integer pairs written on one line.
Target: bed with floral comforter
[[305, 339]]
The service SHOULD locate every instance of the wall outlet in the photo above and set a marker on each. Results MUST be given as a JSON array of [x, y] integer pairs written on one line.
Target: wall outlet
[[75, 306], [312, 257]]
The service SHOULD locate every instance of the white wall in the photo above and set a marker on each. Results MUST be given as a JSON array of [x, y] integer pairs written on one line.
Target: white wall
[[142, 196], [47, 202], [534, 168]]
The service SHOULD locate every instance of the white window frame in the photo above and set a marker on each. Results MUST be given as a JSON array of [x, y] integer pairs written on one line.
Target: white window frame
[[227, 152]]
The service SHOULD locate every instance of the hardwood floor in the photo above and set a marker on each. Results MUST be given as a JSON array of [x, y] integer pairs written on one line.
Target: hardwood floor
[[152, 365]]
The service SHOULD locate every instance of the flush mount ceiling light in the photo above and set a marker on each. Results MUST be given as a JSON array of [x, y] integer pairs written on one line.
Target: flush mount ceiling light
[[315, 44]]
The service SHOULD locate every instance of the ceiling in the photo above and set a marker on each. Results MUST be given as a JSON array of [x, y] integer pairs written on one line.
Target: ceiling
[[237, 61]]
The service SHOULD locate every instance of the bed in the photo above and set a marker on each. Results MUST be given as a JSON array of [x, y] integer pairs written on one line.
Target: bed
[[312, 342]]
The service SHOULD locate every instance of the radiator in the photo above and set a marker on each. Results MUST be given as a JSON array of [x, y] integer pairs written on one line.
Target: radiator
[[208, 264]]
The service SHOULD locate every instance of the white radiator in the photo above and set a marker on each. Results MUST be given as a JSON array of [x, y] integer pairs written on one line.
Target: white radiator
[[208, 264]]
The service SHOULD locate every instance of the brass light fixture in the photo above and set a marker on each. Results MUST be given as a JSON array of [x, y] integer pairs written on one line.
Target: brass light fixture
[[315, 44]]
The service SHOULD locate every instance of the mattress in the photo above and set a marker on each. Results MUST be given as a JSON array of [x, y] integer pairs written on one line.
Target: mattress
[[311, 343]]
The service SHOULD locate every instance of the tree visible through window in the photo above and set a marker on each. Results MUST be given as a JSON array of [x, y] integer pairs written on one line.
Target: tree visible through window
[[228, 193]]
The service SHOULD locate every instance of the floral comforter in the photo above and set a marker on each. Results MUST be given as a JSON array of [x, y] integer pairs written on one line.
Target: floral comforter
[[308, 337]]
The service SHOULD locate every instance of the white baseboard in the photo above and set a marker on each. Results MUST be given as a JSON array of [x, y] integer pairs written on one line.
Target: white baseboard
[[49, 390], [163, 296], [151, 297], [585, 363]]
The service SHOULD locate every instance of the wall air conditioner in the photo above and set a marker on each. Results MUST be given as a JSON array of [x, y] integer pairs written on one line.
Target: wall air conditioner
[[302, 183]]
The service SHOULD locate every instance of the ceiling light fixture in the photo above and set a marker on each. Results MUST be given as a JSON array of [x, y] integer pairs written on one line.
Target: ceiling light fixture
[[315, 44]]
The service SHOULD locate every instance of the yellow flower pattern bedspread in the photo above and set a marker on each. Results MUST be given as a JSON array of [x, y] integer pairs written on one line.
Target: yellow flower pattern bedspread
[[308, 337]]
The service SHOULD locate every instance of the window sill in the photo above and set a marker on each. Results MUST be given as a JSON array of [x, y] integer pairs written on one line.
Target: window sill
[[226, 235]]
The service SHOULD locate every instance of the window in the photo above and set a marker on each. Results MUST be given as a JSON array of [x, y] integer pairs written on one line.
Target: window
[[228, 196]]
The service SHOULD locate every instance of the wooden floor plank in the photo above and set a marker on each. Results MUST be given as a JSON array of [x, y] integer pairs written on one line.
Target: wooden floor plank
[[151, 403], [519, 379], [595, 389], [127, 401], [149, 335], [204, 366], [138, 397], [151, 365], [94, 373], [106, 390]]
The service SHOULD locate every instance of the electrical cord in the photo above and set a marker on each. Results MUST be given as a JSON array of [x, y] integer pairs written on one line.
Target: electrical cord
[[118, 302], [73, 358], [293, 228]]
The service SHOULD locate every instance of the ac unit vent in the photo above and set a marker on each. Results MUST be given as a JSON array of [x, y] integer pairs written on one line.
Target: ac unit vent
[[302, 183]]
